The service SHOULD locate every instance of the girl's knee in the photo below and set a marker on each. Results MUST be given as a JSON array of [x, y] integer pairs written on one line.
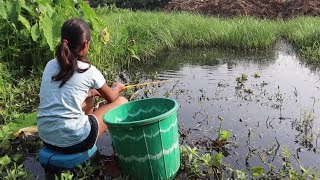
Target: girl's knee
[[121, 100]]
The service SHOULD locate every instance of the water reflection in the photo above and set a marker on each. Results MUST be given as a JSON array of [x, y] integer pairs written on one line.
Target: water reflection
[[275, 108]]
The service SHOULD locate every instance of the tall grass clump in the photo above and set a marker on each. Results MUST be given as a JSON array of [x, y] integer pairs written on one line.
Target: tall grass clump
[[304, 33], [136, 35], [250, 33]]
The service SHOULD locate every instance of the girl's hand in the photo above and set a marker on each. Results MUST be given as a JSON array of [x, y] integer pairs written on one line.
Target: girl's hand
[[120, 87], [92, 93], [111, 93]]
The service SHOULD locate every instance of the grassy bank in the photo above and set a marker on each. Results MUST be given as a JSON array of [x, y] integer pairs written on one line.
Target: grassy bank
[[144, 34], [137, 35]]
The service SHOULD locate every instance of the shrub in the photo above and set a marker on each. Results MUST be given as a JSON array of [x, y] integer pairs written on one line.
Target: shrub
[[30, 30]]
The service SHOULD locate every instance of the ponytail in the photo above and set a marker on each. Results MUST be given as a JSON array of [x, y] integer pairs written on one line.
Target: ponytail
[[68, 51], [67, 62]]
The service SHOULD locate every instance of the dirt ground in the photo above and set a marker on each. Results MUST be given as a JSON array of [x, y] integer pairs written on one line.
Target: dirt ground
[[270, 9]]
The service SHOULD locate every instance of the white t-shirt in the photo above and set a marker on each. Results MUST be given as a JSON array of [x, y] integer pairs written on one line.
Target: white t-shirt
[[61, 121]]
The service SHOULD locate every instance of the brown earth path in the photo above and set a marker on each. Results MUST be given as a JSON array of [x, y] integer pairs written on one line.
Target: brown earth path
[[270, 9]]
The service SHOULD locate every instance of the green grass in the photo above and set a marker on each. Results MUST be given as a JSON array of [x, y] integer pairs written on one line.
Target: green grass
[[17, 95], [304, 33], [138, 35]]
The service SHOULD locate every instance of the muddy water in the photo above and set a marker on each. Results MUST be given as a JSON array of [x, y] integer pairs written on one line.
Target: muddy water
[[265, 114]]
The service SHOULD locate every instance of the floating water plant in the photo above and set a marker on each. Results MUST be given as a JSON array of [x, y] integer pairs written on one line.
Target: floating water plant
[[256, 75], [241, 79]]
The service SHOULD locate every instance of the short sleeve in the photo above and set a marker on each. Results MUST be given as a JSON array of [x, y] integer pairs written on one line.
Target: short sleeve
[[97, 78]]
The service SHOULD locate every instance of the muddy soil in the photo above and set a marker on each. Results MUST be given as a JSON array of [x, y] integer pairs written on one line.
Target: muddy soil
[[270, 9]]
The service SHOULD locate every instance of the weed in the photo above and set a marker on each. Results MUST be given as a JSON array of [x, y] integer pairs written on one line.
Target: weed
[[11, 170]]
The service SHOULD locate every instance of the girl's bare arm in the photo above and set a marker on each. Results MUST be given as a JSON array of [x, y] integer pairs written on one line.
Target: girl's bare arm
[[111, 94]]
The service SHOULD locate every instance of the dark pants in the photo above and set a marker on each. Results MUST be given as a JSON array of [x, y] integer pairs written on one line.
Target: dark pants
[[85, 145]]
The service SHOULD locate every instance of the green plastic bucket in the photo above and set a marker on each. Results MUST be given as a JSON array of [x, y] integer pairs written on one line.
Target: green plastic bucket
[[145, 136]]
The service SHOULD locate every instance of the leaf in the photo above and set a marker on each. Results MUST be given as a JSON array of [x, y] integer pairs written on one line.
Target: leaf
[[3, 12], [105, 36], [7, 131], [217, 160], [257, 171], [24, 120], [136, 57], [66, 6], [35, 32], [206, 159], [17, 157], [224, 135], [13, 10], [133, 54], [2, 86], [27, 120], [5, 160], [30, 9], [51, 29], [5, 144], [90, 15], [47, 9], [241, 175], [24, 34], [25, 22]]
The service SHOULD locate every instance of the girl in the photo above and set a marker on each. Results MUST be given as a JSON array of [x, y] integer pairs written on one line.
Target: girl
[[66, 120]]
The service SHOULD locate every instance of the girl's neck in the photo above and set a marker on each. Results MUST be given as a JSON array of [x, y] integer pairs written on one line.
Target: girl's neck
[[83, 59]]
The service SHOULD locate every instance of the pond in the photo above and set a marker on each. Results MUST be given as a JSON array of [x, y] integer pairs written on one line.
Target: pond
[[268, 100]]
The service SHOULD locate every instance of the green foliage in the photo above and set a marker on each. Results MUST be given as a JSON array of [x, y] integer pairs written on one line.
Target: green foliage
[[67, 175], [224, 135], [25, 120], [241, 79], [30, 30], [5, 160], [304, 33], [203, 166], [19, 95], [257, 171], [11, 170]]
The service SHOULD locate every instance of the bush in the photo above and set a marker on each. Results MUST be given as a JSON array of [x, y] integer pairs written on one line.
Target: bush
[[30, 30]]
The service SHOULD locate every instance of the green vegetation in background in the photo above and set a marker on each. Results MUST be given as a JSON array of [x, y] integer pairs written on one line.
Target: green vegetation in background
[[141, 35], [29, 33], [304, 32], [30, 30], [18, 96]]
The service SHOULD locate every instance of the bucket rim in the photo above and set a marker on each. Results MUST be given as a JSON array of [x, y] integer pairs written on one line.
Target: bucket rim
[[144, 121]]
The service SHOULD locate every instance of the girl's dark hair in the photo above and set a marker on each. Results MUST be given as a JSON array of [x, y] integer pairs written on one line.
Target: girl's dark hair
[[74, 33]]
